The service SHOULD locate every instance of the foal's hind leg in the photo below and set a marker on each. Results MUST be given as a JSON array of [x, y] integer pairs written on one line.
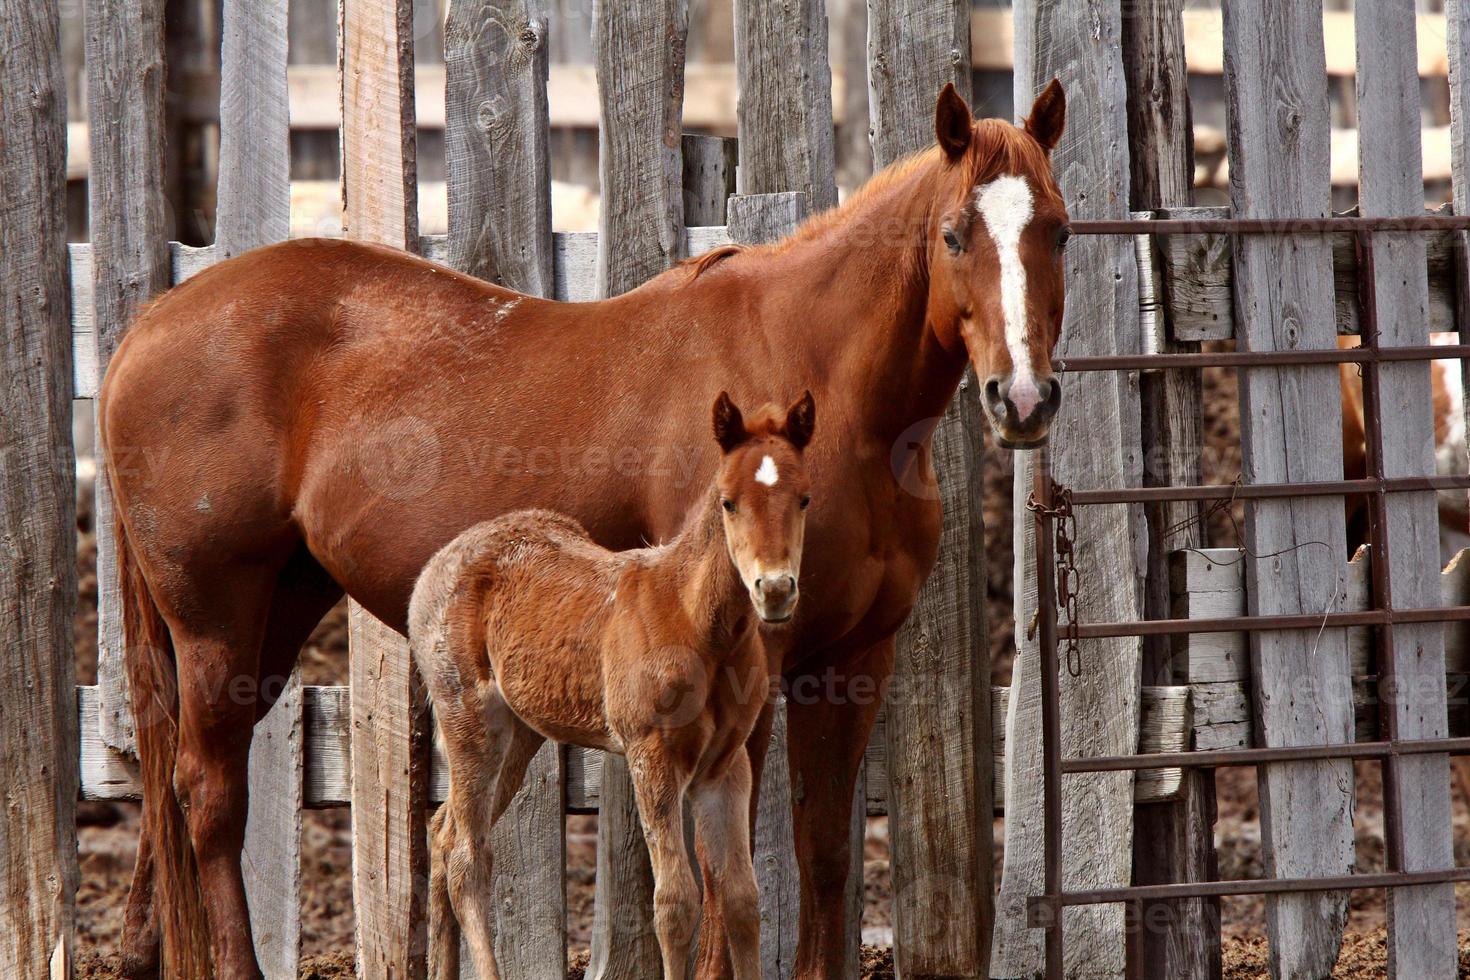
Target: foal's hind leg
[[489, 749]]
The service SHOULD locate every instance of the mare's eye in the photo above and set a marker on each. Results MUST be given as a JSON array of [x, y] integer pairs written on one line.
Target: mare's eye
[[1063, 233], [806, 501], [952, 240], [729, 505]]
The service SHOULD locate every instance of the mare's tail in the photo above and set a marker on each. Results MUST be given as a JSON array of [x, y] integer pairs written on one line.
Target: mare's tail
[[153, 688]]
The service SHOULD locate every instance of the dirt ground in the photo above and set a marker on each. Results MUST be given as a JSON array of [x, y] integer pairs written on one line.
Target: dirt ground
[[108, 832]]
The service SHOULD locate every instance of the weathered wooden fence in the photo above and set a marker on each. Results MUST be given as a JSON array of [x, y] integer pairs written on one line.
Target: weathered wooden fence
[[940, 764]]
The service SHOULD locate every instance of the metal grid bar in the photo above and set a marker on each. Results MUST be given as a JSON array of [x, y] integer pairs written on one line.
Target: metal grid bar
[[1044, 911]]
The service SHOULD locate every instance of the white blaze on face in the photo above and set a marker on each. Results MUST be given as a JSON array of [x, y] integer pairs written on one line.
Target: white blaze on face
[[1005, 204], [767, 472]]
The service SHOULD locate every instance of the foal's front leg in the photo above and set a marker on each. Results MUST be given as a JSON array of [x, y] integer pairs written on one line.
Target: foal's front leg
[[659, 788], [721, 819]]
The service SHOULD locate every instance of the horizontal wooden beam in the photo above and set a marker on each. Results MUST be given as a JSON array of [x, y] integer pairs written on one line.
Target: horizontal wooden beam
[[1210, 582], [109, 775], [992, 37], [1197, 284]]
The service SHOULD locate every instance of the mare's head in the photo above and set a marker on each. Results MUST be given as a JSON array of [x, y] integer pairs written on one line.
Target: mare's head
[[764, 493], [995, 245]]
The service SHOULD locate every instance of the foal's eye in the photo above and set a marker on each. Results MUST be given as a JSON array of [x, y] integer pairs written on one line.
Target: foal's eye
[[806, 501], [729, 505], [952, 241], [1063, 233]]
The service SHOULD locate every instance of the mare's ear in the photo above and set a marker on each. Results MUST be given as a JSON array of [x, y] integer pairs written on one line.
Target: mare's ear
[[729, 423], [1048, 116], [952, 123], [801, 419]]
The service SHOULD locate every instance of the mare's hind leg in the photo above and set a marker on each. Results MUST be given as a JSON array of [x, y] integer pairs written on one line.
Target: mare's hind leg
[[488, 749], [217, 638], [303, 594], [140, 938]]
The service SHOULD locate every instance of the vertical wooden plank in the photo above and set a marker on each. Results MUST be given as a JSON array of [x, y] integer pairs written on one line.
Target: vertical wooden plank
[[1095, 443], [1277, 110], [499, 188], [496, 142], [1172, 841], [640, 81], [379, 163], [254, 144], [939, 784], [130, 259], [390, 737], [784, 109], [752, 219], [853, 150], [254, 209], [390, 799], [1421, 920], [709, 178], [38, 584]]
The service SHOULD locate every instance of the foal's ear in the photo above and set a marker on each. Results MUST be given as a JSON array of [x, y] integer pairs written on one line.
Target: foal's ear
[[729, 423], [952, 123], [801, 419], [1048, 116]]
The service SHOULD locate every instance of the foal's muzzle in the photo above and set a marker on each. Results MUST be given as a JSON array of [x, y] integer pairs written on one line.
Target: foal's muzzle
[[775, 596], [1021, 411]]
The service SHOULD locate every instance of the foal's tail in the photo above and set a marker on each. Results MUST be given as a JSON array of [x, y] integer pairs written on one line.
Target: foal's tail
[[153, 688]]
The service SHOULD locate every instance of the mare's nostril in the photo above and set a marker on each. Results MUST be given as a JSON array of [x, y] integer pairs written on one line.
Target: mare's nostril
[[994, 397], [760, 585]]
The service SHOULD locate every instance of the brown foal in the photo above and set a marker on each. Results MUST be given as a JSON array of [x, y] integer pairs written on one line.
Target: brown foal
[[525, 629]]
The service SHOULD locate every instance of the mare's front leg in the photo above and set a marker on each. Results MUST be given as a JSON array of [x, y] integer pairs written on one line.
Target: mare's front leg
[[829, 719], [658, 785], [722, 822]]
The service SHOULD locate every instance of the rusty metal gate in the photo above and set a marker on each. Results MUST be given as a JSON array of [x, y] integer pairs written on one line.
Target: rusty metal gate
[[1052, 506]]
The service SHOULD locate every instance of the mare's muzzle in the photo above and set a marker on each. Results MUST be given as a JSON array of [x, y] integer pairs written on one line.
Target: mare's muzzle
[[1021, 411]]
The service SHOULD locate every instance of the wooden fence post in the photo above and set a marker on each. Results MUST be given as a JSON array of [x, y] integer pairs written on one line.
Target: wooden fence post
[[640, 82], [130, 262], [254, 209], [1421, 920], [784, 105], [1095, 442], [754, 219], [938, 725], [787, 144], [499, 189], [1276, 97], [1174, 841], [38, 581], [390, 731]]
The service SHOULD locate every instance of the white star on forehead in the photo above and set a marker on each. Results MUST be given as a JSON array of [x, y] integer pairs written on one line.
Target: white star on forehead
[[767, 472]]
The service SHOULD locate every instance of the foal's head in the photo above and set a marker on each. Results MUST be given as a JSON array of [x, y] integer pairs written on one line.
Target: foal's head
[[764, 494], [995, 258]]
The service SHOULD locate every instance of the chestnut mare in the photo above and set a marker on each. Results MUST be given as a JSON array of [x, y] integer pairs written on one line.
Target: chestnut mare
[[321, 417], [524, 629]]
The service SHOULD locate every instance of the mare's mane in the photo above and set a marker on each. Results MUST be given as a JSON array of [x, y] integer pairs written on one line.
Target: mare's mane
[[998, 147]]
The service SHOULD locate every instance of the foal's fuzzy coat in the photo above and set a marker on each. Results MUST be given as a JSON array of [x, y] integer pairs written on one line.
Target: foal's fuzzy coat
[[524, 629]]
